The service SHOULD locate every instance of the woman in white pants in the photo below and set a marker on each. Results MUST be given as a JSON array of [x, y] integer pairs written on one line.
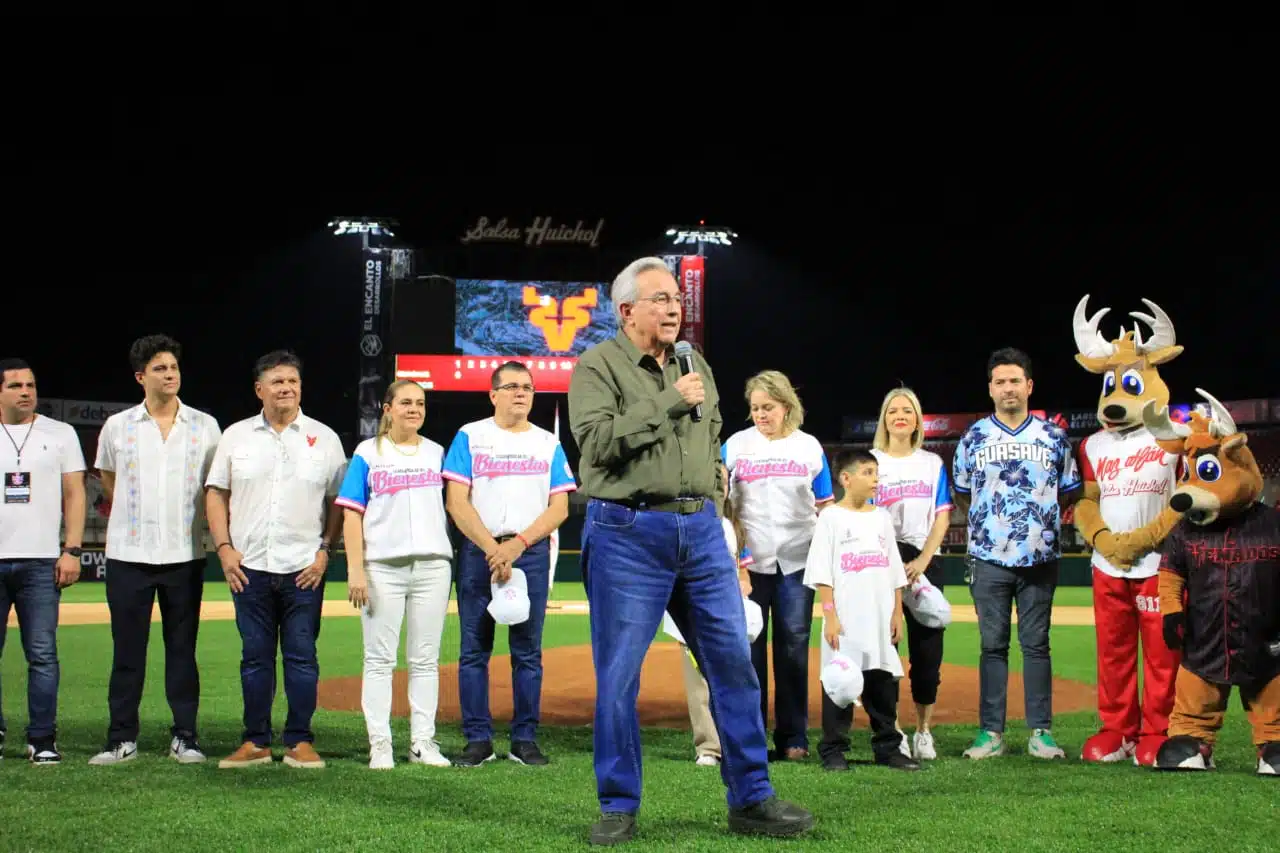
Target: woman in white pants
[[398, 569]]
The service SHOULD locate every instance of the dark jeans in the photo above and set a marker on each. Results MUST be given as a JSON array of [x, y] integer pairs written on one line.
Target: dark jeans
[[273, 610], [787, 605], [524, 640], [29, 586], [639, 564], [995, 589], [132, 589], [880, 700], [924, 645]]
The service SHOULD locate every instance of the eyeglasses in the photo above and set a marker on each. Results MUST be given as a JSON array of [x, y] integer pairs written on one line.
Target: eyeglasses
[[662, 300], [514, 386]]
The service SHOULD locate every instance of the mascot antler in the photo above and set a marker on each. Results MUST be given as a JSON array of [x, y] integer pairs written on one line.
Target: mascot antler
[[1220, 474], [1127, 364]]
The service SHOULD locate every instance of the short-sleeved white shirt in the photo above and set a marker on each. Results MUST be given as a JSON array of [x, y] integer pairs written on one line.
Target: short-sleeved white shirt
[[278, 484], [31, 521], [855, 554], [512, 475], [157, 507], [779, 485], [401, 496], [913, 489]]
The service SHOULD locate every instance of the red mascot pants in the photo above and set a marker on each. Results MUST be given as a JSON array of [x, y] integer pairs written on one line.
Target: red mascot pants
[[1123, 611]]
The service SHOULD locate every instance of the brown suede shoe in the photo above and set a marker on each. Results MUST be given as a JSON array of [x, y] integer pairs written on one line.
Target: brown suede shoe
[[247, 755], [303, 755]]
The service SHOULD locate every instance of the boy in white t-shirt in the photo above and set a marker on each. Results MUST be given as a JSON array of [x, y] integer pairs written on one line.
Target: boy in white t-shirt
[[857, 572]]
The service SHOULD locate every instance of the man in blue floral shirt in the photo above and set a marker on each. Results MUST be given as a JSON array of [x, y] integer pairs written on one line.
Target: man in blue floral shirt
[[1013, 472]]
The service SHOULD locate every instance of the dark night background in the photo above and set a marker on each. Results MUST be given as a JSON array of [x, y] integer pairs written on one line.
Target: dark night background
[[869, 252]]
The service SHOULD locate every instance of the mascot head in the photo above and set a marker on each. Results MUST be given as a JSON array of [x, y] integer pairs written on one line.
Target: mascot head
[[1128, 364], [1219, 475]]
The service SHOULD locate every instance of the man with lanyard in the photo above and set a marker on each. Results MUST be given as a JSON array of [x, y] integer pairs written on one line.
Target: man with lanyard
[[43, 468], [508, 491], [650, 441], [154, 459], [273, 522]]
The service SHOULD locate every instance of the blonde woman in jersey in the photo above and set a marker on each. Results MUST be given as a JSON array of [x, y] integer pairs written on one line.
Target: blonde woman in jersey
[[781, 478], [706, 740], [915, 490], [399, 569]]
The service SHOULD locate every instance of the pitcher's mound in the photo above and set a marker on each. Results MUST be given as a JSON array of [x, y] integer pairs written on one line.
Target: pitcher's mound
[[569, 691]]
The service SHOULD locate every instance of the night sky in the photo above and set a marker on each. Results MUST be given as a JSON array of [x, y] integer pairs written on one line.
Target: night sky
[[907, 257]]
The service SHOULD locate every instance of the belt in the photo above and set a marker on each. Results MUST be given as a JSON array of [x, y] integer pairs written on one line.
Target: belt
[[683, 506]]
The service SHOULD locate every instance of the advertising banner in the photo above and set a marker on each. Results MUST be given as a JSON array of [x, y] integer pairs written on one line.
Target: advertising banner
[[692, 281], [380, 269]]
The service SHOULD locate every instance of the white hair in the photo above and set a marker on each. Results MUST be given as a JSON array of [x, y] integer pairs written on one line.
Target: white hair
[[624, 286]]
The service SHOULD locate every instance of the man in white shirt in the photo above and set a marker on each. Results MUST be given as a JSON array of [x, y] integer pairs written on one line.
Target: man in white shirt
[[273, 521], [154, 459], [43, 469], [508, 491]]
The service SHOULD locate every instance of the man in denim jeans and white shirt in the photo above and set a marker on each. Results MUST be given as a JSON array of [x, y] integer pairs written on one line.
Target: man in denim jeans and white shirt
[[1016, 470]]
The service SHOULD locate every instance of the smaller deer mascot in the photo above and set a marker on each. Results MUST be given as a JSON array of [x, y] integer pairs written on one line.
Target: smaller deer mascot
[[1124, 514], [1219, 590]]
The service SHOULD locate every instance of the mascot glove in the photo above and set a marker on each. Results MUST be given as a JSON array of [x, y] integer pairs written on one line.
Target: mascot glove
[[1174, 626]]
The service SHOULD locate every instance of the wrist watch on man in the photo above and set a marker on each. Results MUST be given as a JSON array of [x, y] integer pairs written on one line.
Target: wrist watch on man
[[327, 548], [75, 552]]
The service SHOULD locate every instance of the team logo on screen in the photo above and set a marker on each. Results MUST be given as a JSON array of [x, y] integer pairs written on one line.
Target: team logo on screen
[[559, 322]]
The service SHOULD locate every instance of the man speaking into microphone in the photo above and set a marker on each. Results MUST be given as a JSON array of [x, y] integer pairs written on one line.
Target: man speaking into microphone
[[646, 417]]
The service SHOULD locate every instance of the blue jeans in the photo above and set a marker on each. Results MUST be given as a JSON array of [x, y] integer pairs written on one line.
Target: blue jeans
[[28, 586], [995, 589], [637, 565], [272, 610], [524, 640], [787, 605]]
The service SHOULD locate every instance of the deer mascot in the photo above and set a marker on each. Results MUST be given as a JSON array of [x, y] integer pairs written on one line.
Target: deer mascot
[[1219, 590], [1124, 514]]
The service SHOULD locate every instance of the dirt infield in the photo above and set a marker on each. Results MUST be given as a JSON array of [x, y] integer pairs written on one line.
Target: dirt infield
[[97, 614], [569, 691]]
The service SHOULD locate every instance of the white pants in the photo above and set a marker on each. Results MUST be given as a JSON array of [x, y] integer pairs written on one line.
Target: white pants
[[417, 592]]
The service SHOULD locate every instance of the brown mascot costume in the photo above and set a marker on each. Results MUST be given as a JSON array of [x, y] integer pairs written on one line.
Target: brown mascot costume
[[1124, 514], [1219, 590]]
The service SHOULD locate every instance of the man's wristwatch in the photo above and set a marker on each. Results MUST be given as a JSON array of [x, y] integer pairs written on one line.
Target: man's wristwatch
[[327, 548], [75, 552]]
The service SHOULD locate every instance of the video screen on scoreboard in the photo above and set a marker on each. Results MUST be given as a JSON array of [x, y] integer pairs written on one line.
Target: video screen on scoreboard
[[497, 317]]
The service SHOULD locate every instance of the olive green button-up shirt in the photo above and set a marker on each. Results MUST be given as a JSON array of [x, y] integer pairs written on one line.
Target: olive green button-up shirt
[[634, 430]]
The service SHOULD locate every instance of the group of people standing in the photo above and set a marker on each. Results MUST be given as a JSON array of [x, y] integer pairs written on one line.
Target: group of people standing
[[277, 490]]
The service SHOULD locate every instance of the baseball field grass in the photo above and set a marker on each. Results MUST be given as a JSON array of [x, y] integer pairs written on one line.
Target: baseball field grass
[[1012, 803]]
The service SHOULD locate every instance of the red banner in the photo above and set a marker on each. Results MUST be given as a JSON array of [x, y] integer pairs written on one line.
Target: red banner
[[692, 284], [472, 373]]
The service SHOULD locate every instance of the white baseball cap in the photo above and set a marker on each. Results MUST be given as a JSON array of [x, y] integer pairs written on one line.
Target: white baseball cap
[[509, 604], [755, 619], [842, 680], [927, 604]]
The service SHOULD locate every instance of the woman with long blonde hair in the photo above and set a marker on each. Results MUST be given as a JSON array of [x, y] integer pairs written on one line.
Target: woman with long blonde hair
[[781, 478], [399, 569], [915, 490]]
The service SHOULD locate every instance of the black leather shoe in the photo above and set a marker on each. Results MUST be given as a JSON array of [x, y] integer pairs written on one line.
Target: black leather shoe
[[613, 828], [898, 761], [835, 761], [773, 817], [527, 752], [477, 752]]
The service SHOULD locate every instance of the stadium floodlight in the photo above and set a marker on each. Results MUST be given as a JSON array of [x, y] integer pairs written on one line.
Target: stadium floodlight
[[376, 225], [700, 234]]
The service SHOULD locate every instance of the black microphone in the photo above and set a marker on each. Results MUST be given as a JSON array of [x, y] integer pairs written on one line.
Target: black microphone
[[684, 357]]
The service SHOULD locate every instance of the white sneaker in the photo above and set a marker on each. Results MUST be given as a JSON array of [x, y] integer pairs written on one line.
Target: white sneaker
[[904, 746], [922, 745], [118, 754], [186, 751], [428, 752], [707, 761], [380, 756]]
